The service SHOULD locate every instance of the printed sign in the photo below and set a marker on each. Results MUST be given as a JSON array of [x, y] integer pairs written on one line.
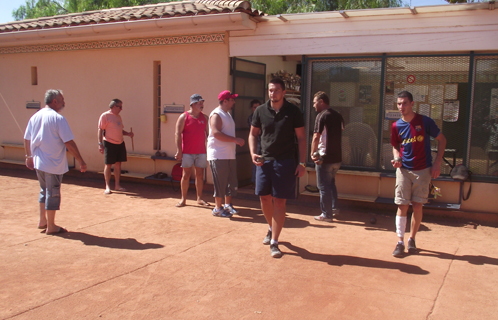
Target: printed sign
[[392, 115], [174, 108], [410, 78]]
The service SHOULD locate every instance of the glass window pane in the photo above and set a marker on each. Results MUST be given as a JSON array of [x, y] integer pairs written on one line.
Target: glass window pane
[[353, 87]]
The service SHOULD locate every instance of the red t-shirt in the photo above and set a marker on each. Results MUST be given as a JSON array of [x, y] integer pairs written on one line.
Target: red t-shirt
[[194, 134]]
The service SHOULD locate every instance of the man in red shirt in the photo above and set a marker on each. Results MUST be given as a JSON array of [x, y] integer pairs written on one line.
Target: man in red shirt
[[190, 137]]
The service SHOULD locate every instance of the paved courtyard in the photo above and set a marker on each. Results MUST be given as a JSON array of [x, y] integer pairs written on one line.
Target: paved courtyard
[[134, 255]]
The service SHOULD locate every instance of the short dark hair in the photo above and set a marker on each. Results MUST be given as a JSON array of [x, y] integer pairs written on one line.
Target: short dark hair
[[406, 94], [253, 102], [320, 95], [278, 81], [114, 102]]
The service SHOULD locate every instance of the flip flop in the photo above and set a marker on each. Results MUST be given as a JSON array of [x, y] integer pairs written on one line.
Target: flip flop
[[203, 203], [61, 230], [180, 204], [42, 227], [121, 189], [107, 192]]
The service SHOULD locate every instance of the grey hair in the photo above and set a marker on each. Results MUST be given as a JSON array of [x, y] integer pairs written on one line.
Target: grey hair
[[114, 102], [52, 94]]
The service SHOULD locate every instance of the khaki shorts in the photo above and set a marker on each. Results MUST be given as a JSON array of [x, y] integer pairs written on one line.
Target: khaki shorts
[[412, 186]]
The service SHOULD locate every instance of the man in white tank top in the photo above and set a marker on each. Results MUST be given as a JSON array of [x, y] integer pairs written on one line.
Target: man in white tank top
[[221, 145]]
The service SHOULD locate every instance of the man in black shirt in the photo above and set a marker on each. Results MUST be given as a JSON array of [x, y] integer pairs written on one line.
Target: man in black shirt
[[279, 123], [326, 153]]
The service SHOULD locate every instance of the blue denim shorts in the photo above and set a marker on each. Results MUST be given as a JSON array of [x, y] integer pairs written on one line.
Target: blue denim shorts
[[50, 189], [277, 177], [197, 160]]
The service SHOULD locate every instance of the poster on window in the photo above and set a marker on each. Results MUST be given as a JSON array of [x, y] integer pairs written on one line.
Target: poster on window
[[365, 94], [450, 111], [419, 93], [343, 94], [436, 110], [436, 94], [424, 109], [451, 91]]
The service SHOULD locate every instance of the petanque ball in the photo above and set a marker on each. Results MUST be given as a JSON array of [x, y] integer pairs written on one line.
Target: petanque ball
[[373, 220]]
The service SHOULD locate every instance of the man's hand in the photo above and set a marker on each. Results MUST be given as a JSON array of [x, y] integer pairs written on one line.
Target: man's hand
[[257, 159], [131, 134], [436, 169], [179, 155], [82, 166], [29, 163], [300, 171], [101, 148], [396, 164], [239, 141]]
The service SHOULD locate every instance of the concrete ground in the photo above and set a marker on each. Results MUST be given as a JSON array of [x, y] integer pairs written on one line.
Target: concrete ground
[[134, 255]]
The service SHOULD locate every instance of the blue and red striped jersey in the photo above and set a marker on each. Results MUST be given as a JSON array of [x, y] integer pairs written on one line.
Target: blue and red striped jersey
[[414, 140]]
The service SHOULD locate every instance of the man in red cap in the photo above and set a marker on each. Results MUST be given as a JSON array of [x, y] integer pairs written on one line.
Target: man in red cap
[[221, 145]]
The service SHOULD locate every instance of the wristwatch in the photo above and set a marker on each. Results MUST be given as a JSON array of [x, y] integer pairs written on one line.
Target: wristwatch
[[397, 159], [302, 164]]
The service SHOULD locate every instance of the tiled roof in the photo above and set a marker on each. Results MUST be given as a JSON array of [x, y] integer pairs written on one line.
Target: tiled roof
[[156, 11]]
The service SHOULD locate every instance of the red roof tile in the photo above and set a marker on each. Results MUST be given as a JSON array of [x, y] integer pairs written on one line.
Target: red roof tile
[[156, 11]]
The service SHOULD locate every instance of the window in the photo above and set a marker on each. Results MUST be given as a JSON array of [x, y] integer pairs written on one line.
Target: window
[[354, 88]]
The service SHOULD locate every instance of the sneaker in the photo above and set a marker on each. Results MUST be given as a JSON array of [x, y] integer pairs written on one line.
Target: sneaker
[[231, 209], [323, 217], [275, 251], [399, 251], [221, 213], [412, 248], [267, 239]]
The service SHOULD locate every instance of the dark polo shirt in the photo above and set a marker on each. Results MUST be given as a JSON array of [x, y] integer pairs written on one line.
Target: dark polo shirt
[[278, 138], [332, 122]]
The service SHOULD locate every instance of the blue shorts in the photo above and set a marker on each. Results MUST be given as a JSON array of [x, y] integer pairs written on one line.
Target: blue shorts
[[197, 160], [50, 192], [277, 177]]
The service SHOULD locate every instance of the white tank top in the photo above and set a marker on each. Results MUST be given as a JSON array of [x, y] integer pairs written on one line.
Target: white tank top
[[217, 149]]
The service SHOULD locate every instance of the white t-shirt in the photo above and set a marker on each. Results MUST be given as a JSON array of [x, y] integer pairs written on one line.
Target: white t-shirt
[[48, 131], [217, 149]]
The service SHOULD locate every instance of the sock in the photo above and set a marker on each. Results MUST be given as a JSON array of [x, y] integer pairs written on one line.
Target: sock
[[269, 228], [401, 226], [274, 242]]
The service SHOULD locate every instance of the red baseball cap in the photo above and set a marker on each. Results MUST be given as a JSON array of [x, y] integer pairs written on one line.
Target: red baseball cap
[[225, 95]]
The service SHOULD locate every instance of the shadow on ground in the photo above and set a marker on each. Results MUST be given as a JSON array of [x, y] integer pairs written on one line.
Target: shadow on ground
[[341, 260], [114, 243]]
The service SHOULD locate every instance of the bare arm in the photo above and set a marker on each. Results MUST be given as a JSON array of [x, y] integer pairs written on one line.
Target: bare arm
[[180, 125], [29, 156], [253, 144], [301, 141], [101, 140], [73, 149], [314, 145], [216, 123], [396, 161], [441, 146]]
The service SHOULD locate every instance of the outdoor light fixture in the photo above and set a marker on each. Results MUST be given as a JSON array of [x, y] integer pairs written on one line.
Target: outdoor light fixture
[[282, 18]]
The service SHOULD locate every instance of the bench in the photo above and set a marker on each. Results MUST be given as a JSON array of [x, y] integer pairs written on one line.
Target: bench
[[18, 147]]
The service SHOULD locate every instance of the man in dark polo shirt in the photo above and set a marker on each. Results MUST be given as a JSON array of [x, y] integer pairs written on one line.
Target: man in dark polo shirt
[[279, 123], [326, 153]]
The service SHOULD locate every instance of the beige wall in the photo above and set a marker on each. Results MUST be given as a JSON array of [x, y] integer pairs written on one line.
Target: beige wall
[[91, 78]]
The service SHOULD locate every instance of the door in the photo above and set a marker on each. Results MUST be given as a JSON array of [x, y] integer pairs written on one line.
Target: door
[[249, 83]]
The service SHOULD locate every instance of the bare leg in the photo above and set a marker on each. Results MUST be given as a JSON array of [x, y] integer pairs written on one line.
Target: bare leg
[[416, 218], [107, 177], [117, 175], [51, 226], [278, 217], [267, 208], [228, 199], [199, 184], [43, 216], [185, 184], [217, 202]]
